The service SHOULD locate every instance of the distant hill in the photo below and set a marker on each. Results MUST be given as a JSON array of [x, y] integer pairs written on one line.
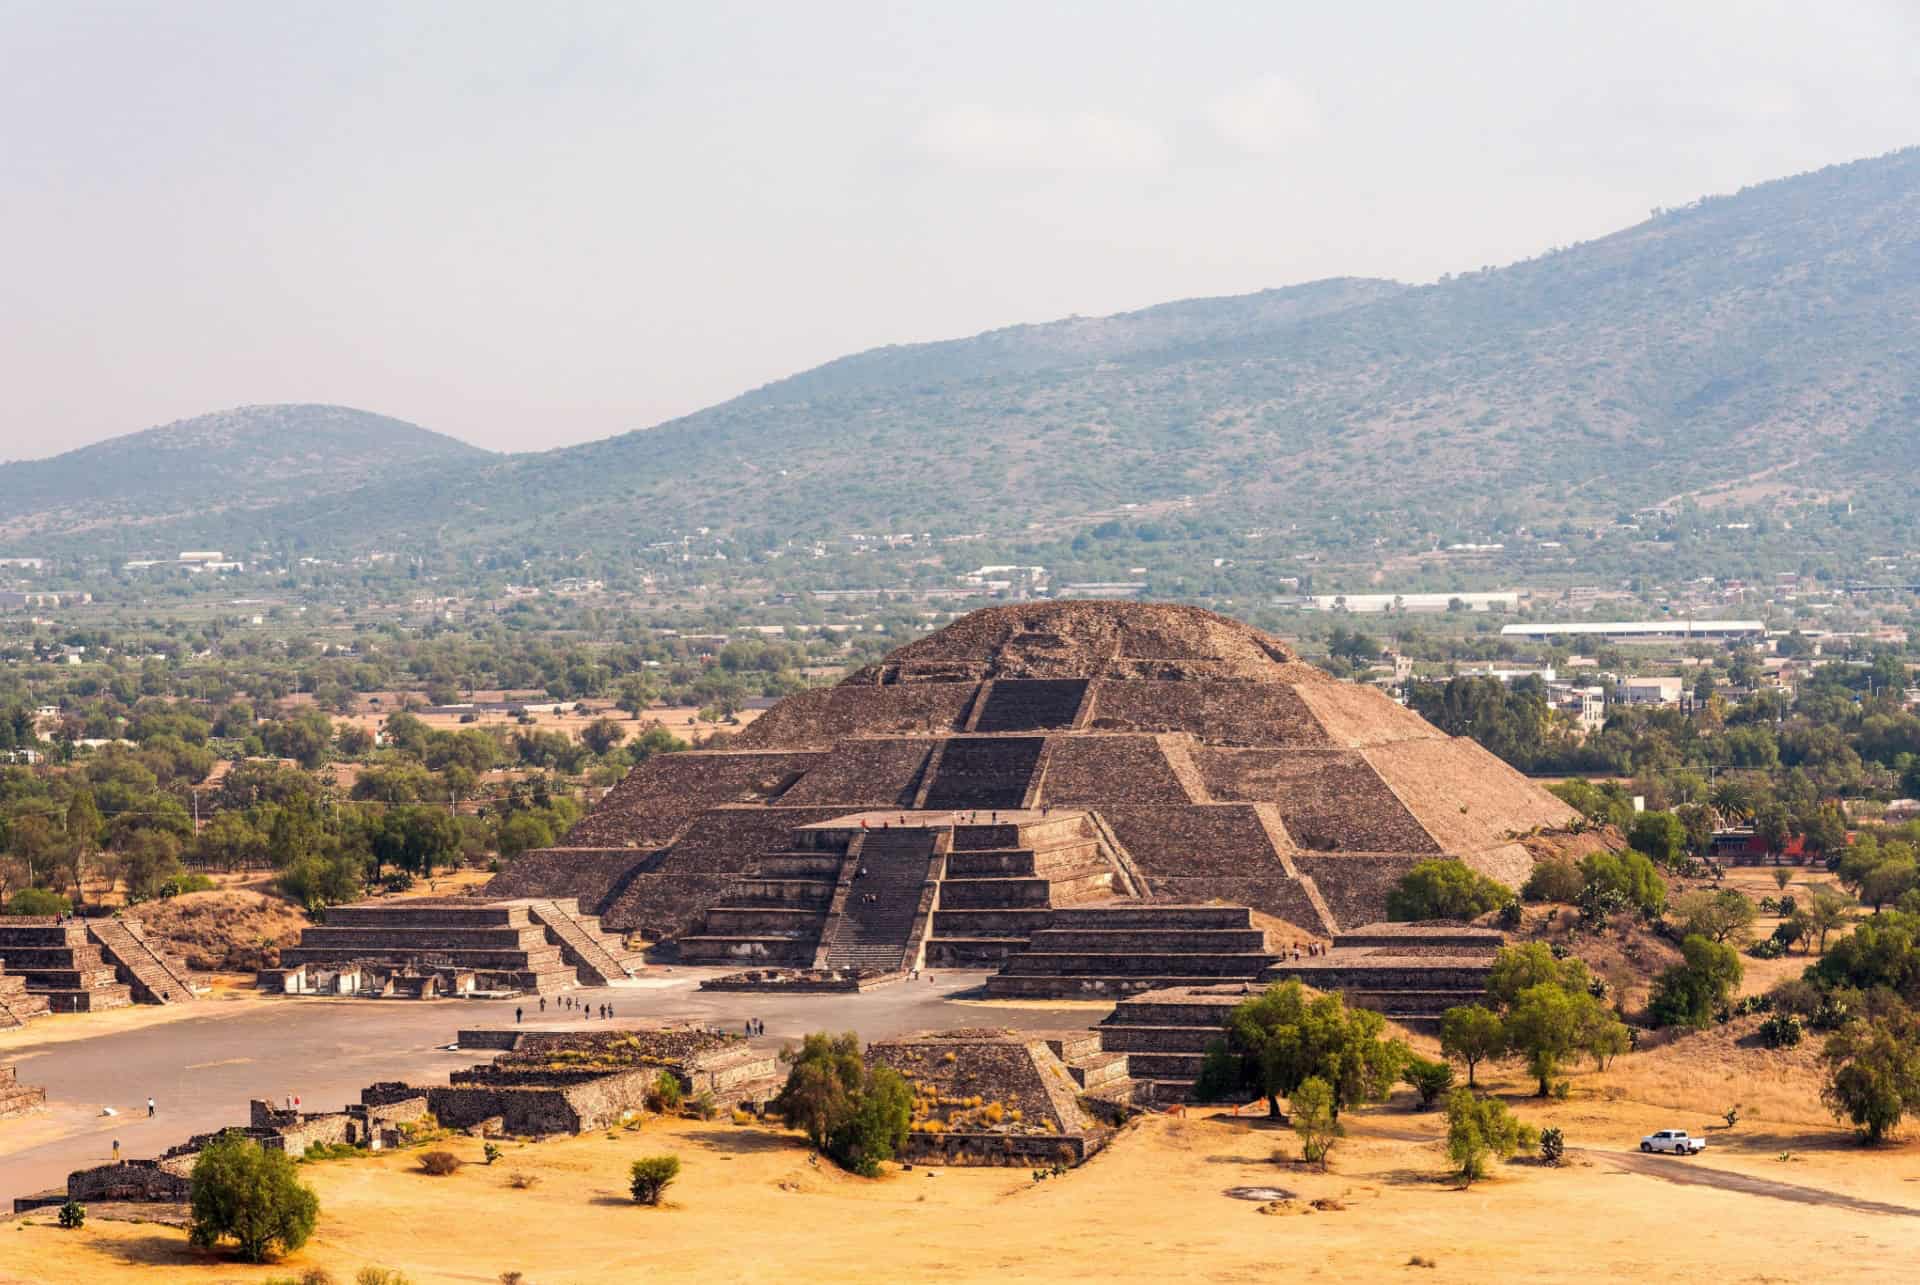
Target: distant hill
[[1757, 350], [250, 458]]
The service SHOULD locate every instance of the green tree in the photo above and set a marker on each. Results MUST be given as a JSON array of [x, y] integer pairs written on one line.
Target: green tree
[[858, 1115], [602, 734], [1444, 889], [1478, 1129], [1690, 992], [1629, 876], [1826, 911], [1873, 1074], [650, 1176], [1546, 1026], [1314, 1119], [1427, 1078], [1717, 916], [1472, 1034], [242, 1192], [1287, 1035], [1662, 836]]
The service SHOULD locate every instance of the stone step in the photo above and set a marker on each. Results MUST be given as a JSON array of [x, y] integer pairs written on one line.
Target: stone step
[[1181, 1067], [1215, 965], [994, 894], [972, 952], [1398, 974], [411, 941], [1166, 917], [1147, 941], [1159, 1039], [545, 959], [1021, 922], [402, 915], [91, 999], [703, 949], [1099, 1069], [1079, 1044], [754, 890], [724, 921], [1085, 985]]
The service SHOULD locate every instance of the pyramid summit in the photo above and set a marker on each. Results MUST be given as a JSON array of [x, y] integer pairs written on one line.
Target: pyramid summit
[[943, 804]]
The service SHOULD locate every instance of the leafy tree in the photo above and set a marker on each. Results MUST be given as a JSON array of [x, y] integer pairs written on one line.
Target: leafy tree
[[1546, 1026], [1444, 889], [1882, 952], [1717, 916], [1873, 1074], [1662, 836], [602, 734], [1825, 912], [1888, 881], [147, 859], [1287, 1035], [856, 1114], [1519, 968], [38, 901], [252, 1196], [1690, 992], [1427, 1078], [1478, 1129], [1314, 1119], [1472, 1033]]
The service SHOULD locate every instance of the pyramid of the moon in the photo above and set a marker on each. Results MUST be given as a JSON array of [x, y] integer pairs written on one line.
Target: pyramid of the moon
[[1032, 757]]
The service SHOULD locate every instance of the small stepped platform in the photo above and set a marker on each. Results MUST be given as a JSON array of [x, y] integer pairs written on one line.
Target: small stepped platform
[[18, 1006], [1410, 973], [1165, 1034], [60, 963], [1125, 948], [389, 947]]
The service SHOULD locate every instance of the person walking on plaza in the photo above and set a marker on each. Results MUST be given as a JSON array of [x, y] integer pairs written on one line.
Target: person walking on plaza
[[149, 1106], [516, 1015]]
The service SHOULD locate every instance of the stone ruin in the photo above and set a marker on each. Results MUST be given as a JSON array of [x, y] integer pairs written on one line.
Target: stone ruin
[[17, 1098], [67, 965], [1028, 767], [425, 948], [542, 1084], [1000, 1097]]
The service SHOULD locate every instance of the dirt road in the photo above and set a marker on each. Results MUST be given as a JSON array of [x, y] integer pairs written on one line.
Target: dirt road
[[1694, 1173]]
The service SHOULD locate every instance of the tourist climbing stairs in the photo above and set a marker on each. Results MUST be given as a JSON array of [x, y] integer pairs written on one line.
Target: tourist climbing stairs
[[579, 944], [881, 907], [155, 977]]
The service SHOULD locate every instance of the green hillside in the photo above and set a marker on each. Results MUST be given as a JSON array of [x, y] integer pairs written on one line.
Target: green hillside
[[1755, 351]]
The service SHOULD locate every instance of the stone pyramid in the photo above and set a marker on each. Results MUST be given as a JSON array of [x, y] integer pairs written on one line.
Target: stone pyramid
[[1213, 763]]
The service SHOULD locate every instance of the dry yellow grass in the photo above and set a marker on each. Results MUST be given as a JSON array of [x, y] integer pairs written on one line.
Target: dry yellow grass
[[750, 1206]]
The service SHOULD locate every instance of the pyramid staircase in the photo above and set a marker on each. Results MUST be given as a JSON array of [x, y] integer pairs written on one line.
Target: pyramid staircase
[[154, 976], [500, 941], [582, 942], [16, 1097], [60, 963], [874, 929]]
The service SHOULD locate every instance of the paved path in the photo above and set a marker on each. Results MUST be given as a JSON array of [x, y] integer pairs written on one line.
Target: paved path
[[204, 1067]]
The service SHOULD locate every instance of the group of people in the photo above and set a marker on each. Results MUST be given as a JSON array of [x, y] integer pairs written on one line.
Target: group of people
[[1312, 949], [601, 1011], [755, 1027]]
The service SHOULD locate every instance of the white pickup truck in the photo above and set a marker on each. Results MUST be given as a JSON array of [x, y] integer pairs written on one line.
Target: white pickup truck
[[1674, 1141]]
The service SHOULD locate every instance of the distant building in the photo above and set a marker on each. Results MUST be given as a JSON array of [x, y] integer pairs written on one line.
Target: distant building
[[1371, 603], [1664, 690], [1105, 589], [1643, 630]]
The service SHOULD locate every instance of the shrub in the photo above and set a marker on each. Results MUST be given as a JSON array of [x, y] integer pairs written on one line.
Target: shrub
[[1429, 1079], [1767, 948], [252, 1196], [666, 1093], [73, 1215], [1511, 914], [1717, 916], [704, 1106], [38, 901], [175, 885], [1782, 1032], [652, 1175], [381, 1276], [1556, 880], [1553, 1146], [1444, 889], [520, 1181], [490, 1152], [1627, 876], [439, 1163], [1797, 996]]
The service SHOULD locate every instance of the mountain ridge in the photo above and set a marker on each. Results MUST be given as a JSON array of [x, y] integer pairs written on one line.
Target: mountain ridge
[[1754, 347]]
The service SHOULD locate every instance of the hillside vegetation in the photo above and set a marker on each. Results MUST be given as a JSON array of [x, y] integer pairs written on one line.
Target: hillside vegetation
[[1751, 350]]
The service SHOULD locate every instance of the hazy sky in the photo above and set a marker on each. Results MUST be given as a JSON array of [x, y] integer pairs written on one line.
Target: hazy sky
[[528, 225]]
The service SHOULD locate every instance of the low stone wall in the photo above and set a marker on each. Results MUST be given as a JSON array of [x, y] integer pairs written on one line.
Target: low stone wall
[[144, 1181], [1000, 1150]]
